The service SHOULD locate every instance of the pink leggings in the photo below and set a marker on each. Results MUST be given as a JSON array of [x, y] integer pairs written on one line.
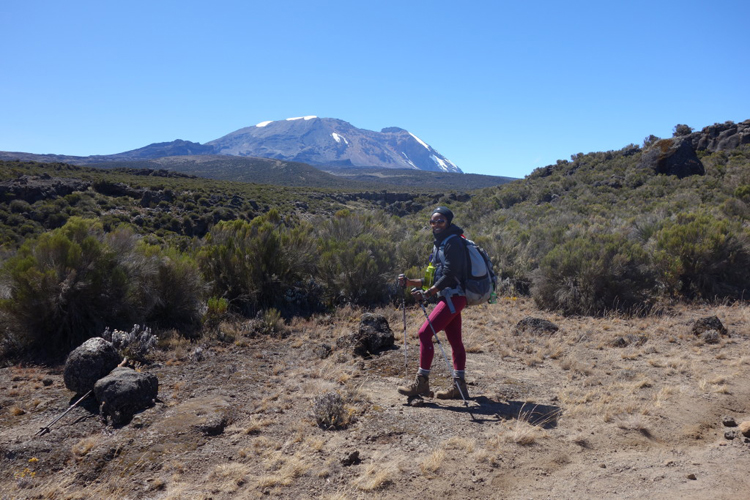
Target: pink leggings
[[442, 319]]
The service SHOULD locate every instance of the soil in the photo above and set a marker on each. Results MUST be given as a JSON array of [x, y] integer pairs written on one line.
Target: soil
[[612, 407]]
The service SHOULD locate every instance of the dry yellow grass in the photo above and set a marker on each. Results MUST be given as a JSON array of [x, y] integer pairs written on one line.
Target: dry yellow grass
[[375, 477], [432, 462], [84, 446]]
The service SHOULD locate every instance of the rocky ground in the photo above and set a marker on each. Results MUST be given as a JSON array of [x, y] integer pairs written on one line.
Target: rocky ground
[[601, 408]]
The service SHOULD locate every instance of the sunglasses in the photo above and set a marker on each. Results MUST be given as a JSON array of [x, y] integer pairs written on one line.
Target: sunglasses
[[437, 221]]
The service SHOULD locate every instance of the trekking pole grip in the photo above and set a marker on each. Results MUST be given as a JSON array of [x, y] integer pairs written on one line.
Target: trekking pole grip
[[421, 294], [402, 281]]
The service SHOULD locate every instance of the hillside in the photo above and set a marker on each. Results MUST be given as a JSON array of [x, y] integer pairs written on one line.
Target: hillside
[[285, 173]]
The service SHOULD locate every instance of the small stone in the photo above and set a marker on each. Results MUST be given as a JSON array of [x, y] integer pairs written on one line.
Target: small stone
[[729, 422], [692, 477], [535, 326], [710, 323], [323, 351], [730, 435], [351, 459], [744, 428]]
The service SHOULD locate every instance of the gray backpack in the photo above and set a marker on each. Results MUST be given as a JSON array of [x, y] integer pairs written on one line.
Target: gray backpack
[[479, 283]]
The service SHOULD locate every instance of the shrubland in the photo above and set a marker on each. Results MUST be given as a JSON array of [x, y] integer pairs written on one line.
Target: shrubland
[[588, 236]]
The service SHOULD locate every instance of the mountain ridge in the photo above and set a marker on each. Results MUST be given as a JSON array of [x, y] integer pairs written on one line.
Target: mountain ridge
[[326, 142]]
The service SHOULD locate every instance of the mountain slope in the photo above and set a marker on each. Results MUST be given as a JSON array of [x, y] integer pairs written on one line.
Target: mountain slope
[[333, 142], [286, 173]]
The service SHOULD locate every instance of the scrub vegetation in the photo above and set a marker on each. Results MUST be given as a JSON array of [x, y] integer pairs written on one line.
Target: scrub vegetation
[[589, 236]]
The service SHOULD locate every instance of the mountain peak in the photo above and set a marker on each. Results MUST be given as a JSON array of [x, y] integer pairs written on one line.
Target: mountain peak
[[332, 142]]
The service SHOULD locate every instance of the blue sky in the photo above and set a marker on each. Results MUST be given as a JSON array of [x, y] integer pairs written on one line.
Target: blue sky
[[499, 88]]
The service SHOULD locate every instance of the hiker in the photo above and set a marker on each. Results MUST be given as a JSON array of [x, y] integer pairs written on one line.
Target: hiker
[[447, 313]]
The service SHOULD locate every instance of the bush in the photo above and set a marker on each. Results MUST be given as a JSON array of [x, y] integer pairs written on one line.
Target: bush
[[216, 311], [700, 256], [169, 288], [65, 286], [266, 323], [253, 264], [356, 259], [593, 274], [331, 412], [137, 344]]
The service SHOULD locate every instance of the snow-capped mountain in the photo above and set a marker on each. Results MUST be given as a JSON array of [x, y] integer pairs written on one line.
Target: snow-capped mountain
[[332, 142]]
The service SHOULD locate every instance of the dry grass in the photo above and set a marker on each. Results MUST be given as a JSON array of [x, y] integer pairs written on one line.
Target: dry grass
[[84, 446], [229, 477], [433, 462], [376, 476]]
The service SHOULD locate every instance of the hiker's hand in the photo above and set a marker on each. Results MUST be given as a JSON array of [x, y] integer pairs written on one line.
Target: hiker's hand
[[402, 280], [418, 295]]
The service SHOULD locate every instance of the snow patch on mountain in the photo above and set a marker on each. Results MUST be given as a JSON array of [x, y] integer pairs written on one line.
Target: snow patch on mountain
[[443, 164], [420, 141], [339, 138], [408, 160], [263, 124], [301, 118]]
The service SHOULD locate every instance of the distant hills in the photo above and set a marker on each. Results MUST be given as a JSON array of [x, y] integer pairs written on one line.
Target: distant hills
[[285, 173]]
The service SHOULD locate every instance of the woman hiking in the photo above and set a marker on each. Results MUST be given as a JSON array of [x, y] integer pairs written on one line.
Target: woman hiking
[[450, 268]]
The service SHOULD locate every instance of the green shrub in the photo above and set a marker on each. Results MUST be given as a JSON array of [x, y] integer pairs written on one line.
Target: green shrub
[[253, 264], [594, 274], [700, 256], [216, 311], [356, 259], [267, 323], [65, 286], [169, 288]]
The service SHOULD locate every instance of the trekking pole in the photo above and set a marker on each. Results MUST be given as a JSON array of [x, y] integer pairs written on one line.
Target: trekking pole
[[44, 430], [403, 308], [450, 369]]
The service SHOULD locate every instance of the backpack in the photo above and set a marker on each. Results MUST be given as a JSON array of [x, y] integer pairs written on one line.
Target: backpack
[[480, 281]]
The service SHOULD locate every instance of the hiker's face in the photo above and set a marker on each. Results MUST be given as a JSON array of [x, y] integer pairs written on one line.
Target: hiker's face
[[438, 223]]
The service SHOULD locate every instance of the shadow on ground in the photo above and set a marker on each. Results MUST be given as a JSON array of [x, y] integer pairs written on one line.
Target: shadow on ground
[[482, 409]]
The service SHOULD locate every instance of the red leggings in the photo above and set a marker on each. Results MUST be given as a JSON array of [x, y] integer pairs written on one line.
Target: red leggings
[[442, 319]]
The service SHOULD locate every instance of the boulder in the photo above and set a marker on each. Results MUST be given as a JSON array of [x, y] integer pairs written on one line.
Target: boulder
[[89, 362], [535, 326], [722, 136], [744, 428], [674, 156], [124, 392], [706, 324], [374, 335]]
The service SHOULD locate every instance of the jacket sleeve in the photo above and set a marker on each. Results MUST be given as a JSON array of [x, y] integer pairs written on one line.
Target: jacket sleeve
[[455, 264]]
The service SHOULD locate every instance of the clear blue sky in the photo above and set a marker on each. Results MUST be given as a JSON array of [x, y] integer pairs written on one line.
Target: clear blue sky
[[497, 87]]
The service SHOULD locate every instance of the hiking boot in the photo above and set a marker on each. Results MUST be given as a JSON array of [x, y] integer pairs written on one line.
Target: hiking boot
[[420, 387], [453, 392]]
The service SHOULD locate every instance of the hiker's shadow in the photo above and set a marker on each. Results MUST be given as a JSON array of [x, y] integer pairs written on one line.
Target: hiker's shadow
[[482, 409]]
